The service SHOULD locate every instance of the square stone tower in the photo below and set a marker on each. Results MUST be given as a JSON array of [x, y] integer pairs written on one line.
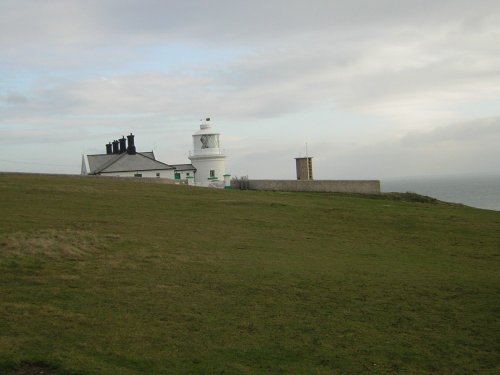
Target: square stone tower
[[304, 168]]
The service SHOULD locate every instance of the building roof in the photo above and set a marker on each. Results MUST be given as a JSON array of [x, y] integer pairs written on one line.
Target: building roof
[[183, 167], [141, 161], [149, 154], [96, 161]]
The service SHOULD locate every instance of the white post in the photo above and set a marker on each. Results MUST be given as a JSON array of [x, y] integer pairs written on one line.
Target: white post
[[227, 181], [84, 167], [307, 163]]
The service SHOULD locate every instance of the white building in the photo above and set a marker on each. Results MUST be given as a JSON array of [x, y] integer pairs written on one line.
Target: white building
[[207, 156], [122, 160]]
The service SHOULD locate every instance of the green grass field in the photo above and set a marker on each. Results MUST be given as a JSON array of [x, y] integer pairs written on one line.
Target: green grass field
[[103, 276]]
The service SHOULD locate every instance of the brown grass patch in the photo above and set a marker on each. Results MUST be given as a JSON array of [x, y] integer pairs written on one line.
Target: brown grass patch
[[50, 243]]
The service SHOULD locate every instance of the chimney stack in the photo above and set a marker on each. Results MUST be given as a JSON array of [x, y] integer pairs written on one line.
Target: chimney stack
[[131, 145], [123, 145], [109, 149], [115, 147]]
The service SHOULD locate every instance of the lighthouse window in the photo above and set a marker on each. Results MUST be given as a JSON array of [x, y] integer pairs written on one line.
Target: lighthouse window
[[212, 173], [209, 141]]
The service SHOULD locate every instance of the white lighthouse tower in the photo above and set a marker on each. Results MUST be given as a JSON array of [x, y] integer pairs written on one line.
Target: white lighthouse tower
[[207, 156]]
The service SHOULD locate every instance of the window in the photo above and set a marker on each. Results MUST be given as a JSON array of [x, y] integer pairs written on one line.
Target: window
[[177, 176], [209, 141], [212, 173], [158, 174], [138, 175], [187, 173]]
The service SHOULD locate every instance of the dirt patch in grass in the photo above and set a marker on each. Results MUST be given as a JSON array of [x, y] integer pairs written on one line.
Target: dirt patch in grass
[[32, 369], [50, 243]]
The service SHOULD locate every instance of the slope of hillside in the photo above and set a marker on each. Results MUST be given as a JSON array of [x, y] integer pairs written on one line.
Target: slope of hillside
[[103, 276]]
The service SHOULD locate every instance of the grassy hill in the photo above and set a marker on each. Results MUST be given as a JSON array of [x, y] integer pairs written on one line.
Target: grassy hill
[[103, 276]]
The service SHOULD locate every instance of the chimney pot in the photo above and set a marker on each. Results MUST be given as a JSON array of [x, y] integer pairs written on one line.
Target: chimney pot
[[131, 145], [123, 145]]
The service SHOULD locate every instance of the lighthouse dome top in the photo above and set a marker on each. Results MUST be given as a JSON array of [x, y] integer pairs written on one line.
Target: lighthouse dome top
[[205, 128]]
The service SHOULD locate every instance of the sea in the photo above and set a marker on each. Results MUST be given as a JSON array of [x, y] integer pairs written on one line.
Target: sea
[[481, 191]]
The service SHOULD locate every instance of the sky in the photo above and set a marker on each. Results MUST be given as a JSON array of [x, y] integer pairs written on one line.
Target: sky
[[373, 89]]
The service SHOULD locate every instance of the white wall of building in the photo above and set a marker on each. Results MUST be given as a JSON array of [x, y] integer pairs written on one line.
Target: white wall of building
[[156, 173], [185, 174], [206, 164]]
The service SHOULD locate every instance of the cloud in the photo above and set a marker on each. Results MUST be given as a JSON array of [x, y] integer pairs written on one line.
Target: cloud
[[466, 147], [414, 84], [13, 98], [231, 21], [416, 72], [477, 130]]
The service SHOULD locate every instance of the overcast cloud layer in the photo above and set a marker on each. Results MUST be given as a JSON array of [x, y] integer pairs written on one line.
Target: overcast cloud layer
[[376, 88]]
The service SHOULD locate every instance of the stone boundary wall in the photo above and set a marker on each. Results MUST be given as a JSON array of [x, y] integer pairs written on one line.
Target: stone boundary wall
[[330, 186]]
